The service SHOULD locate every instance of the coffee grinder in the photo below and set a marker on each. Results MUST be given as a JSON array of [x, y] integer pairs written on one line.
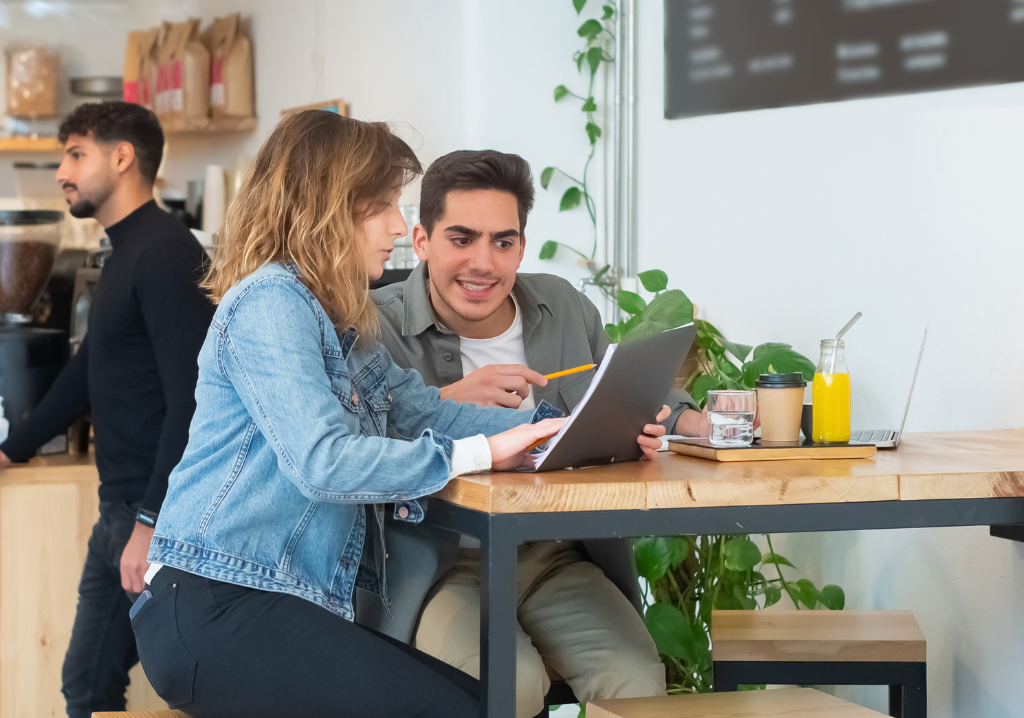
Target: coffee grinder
[[30, 357]]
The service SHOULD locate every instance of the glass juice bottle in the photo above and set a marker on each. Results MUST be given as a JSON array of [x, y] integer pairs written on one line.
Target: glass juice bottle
[[831, 395]]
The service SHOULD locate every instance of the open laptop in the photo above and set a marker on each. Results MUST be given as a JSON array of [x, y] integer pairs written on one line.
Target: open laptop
[[888, 438]]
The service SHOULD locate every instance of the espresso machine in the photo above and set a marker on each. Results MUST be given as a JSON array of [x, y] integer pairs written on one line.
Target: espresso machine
[[31, 357]]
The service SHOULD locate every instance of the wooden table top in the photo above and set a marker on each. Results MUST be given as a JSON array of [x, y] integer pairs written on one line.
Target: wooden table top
[[59, 468], [949, 465]]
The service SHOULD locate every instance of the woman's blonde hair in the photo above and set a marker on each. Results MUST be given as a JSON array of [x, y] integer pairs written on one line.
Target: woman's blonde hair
[[313, 181]]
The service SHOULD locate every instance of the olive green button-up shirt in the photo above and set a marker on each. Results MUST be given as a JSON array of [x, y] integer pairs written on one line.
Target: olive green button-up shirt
[[561, 329]]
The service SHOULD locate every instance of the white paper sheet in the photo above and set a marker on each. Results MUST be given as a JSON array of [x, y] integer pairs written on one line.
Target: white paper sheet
[[538, 458]]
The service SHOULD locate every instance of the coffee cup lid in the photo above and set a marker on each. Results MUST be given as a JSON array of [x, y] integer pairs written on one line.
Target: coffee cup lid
[[780, 381]]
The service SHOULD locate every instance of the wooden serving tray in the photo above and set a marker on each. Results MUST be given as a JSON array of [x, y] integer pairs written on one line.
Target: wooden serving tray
[[702, 449]]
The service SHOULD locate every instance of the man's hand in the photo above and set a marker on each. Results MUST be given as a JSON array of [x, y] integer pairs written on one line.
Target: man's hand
[[508, 449], [650, 440], [694, 423], [133, 559], [495, 385], [4, 461]]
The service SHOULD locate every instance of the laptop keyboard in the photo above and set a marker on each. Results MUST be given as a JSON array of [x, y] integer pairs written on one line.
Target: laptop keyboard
[[871, 436]]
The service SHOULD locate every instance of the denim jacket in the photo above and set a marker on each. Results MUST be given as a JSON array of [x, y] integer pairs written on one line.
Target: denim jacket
[[296, 429]]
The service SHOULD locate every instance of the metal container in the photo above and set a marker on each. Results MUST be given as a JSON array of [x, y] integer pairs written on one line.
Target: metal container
[[108, 88]]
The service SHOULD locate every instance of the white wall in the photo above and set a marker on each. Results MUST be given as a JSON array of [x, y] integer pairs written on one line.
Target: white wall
[[781, 224]]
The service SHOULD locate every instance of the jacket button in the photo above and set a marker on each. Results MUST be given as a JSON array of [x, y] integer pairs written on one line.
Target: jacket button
[[389, 397], [403, 512], [355, 398], [447, 356]]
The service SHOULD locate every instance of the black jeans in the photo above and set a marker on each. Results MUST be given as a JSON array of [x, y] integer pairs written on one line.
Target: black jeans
[[102, 648], [217, 650]]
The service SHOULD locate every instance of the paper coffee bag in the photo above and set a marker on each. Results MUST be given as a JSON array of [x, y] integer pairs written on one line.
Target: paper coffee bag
[[184, 76], [231, 80], [140, 43], [148, 79]]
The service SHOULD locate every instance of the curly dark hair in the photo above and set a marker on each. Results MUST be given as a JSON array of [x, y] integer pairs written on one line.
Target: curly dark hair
[[474, 169], [119, 122]]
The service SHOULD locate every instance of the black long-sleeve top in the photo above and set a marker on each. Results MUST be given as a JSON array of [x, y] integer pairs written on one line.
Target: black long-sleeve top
[[137, 368]]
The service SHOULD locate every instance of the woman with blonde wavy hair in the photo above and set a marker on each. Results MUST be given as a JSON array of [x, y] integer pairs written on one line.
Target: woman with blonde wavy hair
[[304, 429]]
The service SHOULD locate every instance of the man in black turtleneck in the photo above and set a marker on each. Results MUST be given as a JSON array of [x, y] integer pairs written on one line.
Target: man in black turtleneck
[[135, 372]]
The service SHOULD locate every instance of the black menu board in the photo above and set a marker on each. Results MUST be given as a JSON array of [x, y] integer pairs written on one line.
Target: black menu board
[[729, 55]]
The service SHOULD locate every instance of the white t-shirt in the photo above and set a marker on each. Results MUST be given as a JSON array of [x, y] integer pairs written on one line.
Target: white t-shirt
[[506, 348]]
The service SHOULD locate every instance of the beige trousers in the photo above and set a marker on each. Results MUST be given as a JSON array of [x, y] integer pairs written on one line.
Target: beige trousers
[[570, 616]]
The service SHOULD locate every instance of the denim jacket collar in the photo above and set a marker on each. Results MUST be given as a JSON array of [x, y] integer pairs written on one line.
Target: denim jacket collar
[[346, 338], [419, 313]]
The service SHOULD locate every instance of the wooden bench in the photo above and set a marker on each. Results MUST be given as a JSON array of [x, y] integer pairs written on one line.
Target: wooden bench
[[781, 703], [823, 648]]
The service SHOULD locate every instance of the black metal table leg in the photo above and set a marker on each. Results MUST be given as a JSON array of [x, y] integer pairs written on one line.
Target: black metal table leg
[[498, 550], [915, 691]]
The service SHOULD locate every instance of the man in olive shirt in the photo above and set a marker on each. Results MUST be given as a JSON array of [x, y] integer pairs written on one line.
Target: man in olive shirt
[[482, 333]]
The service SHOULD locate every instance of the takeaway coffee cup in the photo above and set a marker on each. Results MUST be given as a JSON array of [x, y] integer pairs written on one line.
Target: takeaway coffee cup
[[780, 401]]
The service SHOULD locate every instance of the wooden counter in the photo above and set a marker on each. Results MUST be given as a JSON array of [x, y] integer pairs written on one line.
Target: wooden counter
[[46, 516], [954, 465]]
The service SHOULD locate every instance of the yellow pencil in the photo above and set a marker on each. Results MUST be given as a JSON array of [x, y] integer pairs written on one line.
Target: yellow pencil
[[567, 372]]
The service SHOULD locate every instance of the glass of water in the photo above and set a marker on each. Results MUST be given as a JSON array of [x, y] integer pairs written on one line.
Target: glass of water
[[731, 413]]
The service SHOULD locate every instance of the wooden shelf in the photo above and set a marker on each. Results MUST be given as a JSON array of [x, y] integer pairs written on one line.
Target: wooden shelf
[[210, 126], [30, 144]]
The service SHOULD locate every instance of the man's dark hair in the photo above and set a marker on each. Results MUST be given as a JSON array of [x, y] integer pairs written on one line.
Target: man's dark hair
[[119, 122], [474, 169]]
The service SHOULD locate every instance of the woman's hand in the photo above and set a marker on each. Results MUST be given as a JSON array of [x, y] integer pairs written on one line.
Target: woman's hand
[[650, 440], [508, 449]]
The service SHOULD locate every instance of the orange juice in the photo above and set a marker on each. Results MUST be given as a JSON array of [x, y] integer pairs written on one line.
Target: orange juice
[[831, 407]]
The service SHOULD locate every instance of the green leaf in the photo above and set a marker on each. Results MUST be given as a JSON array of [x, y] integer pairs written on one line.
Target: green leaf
[[600, 273], [546, 175], [653, 555], [549, 249], [593, 132], [609, 12], [594, 57], [589, 105], [578, 4], [772, 595], [631, 302], [808, 593], [741, 554], [579, 57], [740, 351], [679, 549], [590, 29], [794, 593], [780, 357], [560, 92], [702, 385], [783, 561], [654, 280], [672, 633], [832, 597], [612, 330], [671, 309], [571, 199]]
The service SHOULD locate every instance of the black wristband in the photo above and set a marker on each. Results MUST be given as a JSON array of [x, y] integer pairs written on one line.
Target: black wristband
[[146, 518]]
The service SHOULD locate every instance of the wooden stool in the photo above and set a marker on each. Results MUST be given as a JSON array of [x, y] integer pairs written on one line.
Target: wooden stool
[[142, 714], [781, 703], [855, 648]]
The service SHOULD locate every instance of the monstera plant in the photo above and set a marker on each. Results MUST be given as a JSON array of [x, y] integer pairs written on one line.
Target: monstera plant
[[686, 577]]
